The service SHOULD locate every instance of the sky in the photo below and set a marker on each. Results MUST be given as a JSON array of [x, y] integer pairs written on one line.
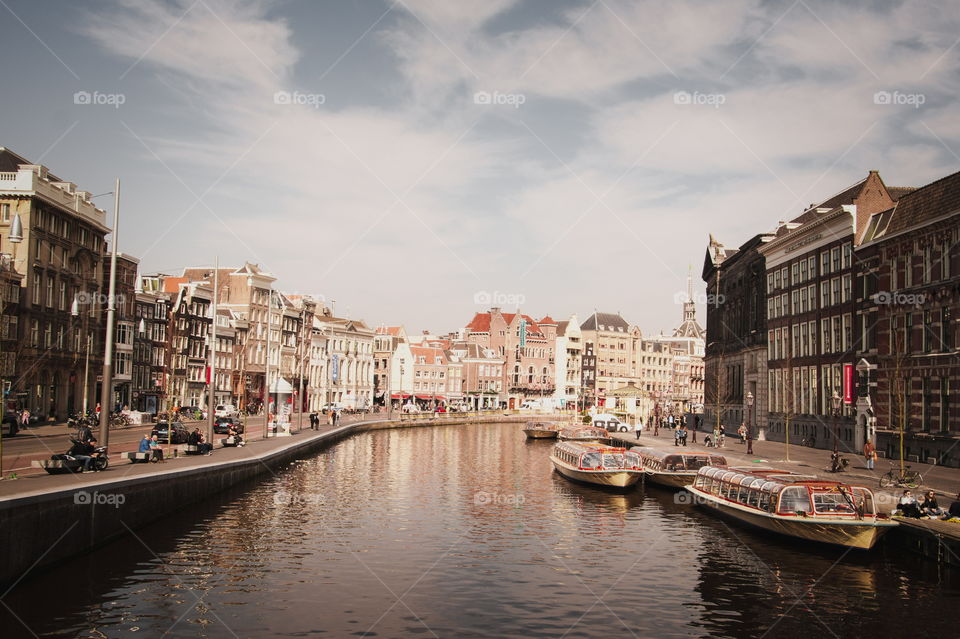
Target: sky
[[417, 161]]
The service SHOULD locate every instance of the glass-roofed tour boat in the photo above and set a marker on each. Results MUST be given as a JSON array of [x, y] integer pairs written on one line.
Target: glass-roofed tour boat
[[585, 434], [596, 464], [674, 469], [796, 505]]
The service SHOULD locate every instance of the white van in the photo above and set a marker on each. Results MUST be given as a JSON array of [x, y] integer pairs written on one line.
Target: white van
[[609, 422], [226, 410]]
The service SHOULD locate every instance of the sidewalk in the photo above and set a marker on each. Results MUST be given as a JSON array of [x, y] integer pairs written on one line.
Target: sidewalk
[[803, 459]]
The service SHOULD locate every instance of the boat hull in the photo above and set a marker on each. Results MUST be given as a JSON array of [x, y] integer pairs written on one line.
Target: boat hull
[[610, 478], [671, 480], [536, 433], [847, 533]]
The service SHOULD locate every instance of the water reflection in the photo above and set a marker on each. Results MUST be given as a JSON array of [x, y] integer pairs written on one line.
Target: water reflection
[[466, 531]]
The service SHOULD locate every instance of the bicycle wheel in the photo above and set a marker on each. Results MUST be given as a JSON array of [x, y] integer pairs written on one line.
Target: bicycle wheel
[[912, 479], [888, 480]]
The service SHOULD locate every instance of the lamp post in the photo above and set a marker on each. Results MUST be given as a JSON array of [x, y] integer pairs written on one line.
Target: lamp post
[[106, 390], [749, 423], [836, 424]]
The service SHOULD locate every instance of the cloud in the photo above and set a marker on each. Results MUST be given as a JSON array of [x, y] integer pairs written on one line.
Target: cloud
[[310, 188]]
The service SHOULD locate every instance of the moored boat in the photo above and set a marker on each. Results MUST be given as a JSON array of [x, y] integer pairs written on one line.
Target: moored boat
[[585, 434], [675, 469], [541, 430], [596, 464], [796, 505]]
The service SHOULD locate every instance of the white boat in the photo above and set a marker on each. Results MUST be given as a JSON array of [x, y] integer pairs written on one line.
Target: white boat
[[596, 464], [674, 469], [795, 505]]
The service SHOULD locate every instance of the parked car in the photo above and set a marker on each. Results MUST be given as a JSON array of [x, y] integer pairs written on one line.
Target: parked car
[[331, 406], [11, 424], [223, 424], [162, 431], [226, 410]]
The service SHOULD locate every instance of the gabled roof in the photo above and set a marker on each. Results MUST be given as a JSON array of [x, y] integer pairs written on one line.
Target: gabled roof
[[479, 324], [172, 284], [547, 321], [929, 202], [429, 353], [609, 321]]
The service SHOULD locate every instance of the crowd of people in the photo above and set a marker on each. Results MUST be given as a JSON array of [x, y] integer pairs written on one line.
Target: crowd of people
[[928, 507]]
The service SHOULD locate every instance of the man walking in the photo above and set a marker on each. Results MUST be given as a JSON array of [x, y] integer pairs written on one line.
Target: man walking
[[637, 427], [870, 454]]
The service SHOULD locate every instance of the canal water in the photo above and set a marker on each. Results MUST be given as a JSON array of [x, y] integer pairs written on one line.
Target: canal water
[[465, 531]]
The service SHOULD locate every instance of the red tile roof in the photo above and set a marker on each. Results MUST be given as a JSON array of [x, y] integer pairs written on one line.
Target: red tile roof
[[172, 284], [480, 323], [389, 330], [429, 353]]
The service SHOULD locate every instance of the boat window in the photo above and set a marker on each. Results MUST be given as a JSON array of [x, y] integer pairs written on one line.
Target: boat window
[[718, 461], [863, 499], [632, 460], [696, 463], [794, 499], [613, 460], [833, 503], [753, 497], [591, 460], [746, 480]]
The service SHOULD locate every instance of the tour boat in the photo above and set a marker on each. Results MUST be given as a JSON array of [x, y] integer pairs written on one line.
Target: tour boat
[[674, 469], [596, 464], [541, 430], [796, 505], [585, 434]]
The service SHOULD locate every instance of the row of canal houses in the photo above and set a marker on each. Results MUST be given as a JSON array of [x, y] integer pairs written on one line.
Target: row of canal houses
[[840, 325]]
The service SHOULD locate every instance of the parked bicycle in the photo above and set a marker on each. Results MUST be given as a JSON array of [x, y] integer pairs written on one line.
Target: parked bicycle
[[905, 478], [119, 420]]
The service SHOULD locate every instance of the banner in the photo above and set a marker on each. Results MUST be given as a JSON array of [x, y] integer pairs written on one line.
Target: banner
[[848, 384], [523, 332], [334, 367]]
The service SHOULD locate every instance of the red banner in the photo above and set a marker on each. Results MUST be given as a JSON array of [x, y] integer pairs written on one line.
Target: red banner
[[848, 384]]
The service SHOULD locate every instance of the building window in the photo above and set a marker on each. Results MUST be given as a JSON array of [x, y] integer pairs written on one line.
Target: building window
[[847, 287], [824, 263], [835, 255], [824, 294], [927, 332], [5, 212], [37, 284], [944, 405], [847, 255], [795, 273], [946, 332]]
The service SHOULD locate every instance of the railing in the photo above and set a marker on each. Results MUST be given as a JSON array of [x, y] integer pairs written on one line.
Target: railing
[[8, 177]]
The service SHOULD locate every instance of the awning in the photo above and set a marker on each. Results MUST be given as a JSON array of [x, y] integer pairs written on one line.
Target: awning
[[431, 397], [399, 396], [281, 387]]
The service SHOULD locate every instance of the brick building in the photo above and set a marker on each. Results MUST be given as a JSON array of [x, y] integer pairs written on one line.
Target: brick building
[[908, 305]]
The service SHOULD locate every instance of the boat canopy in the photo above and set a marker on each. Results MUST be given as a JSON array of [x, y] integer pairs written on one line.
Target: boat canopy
[[669, 461], [786, 493], [596, 457]]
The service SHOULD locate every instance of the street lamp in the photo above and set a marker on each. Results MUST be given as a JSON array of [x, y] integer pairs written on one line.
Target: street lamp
[[836, 428], [749, 423]]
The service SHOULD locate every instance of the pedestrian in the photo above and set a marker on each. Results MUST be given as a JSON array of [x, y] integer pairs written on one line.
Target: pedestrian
[[314, 420], [24, 419], [908, 506], [155, 448], [869, 453], [742, 432], [721, 436], [683, 435], [676, 436], [637, 427], [930, 508], [96, 411]]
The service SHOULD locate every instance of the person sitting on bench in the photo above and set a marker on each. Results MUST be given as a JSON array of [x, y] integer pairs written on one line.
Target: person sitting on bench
[[237, 439], [155, 449], [196, 439]]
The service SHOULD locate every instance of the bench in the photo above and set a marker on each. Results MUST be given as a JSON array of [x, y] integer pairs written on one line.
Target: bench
[[135, 457], [228, 441], [58, 466]]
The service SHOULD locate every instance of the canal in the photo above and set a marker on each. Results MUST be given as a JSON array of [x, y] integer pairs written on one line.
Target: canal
[[465, 531]]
